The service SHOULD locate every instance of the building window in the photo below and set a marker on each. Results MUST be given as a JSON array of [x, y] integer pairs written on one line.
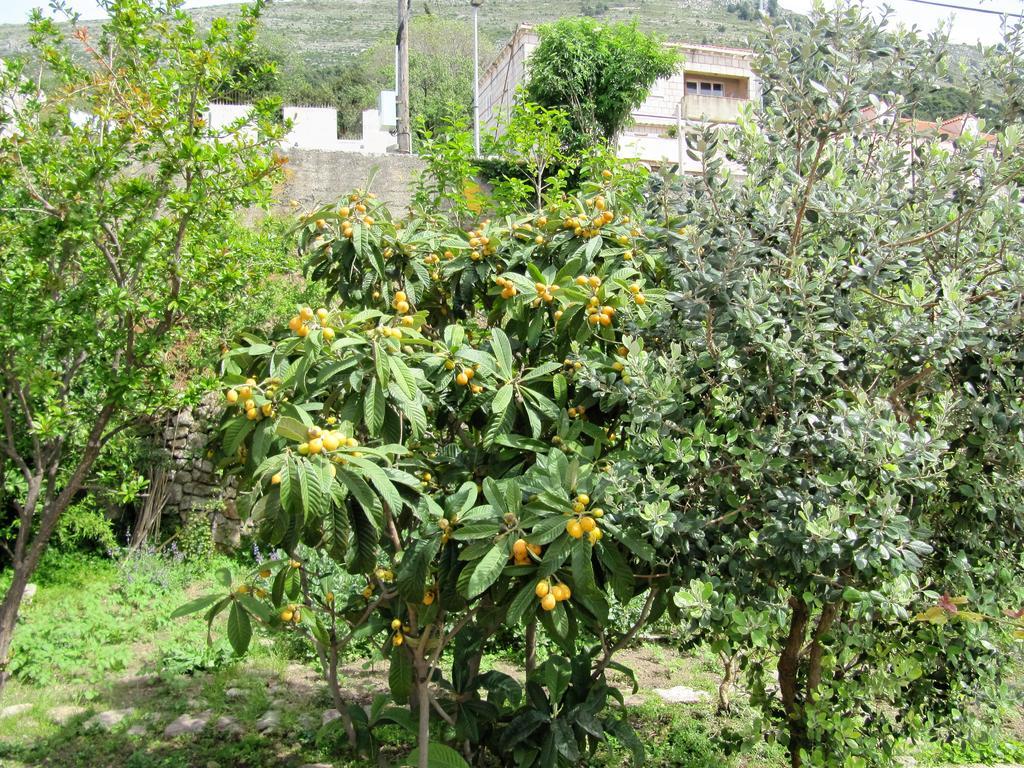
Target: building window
[[705, 87]]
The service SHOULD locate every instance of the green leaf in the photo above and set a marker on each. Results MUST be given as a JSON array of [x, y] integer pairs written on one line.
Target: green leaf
[[463, 499], [587, 591], [337, 528], [364, 554], [559, 387], [521, 604], [615, 563], [438, 756], [367, 499], [400, 674], [239, 629], [412, 572], [502, 350], [312, 489], [501, 418], [402, 376], [558, 469], [380, 481], [501, 400], [641, 549], [373, 409], [488, 568], [292, 429], [235, 433], [194, 606]]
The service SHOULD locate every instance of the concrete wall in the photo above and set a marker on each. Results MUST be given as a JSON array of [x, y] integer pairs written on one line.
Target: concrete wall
[[313, 177]]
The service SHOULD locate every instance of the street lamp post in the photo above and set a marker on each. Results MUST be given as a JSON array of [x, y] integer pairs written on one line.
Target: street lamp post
[[402, 78], [476, 76]]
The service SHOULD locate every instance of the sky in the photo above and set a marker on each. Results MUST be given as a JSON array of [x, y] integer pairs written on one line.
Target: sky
[[16, 11], [967, 27]]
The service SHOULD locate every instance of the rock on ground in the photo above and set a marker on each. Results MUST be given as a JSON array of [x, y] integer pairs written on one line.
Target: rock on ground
[[226, 724], [65, 713], [140, 681], [271, 719], [14, 709], [329, 716], [109, 719], [680, 694], [187, 724]]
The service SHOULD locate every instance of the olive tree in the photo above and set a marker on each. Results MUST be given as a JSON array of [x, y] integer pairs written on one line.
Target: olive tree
[[114, 194], [833, 406]]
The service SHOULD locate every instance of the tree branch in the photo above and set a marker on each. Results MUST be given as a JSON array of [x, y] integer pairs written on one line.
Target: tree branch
[[626, 638]]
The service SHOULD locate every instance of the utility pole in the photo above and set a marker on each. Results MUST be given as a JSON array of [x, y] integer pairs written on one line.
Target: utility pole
[[680, 137], [476, 76], [402, 73]]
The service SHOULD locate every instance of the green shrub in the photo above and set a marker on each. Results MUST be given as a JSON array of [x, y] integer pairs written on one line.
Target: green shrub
[[193, 656], [984, 752], [194, 539], [78, 633], [85, 524]]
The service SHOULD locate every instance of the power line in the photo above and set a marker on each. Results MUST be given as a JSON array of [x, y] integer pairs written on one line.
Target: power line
[[967, 8]]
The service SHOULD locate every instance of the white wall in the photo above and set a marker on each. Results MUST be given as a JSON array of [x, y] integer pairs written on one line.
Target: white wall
[[314, 128], [222, 116]]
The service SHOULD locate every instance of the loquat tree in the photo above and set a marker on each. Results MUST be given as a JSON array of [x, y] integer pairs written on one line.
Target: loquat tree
[[434, 429]]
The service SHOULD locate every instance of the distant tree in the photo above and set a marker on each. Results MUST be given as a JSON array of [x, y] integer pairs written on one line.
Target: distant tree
[[440, 77], [1002, 77], [598, 73], [255, 75]]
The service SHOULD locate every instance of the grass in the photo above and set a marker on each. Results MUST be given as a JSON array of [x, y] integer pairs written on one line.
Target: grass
[[120, 651]]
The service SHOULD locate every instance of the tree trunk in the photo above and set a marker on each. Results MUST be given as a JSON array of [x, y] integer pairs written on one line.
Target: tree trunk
[[789, 668], [29, 549], [423, 733], [828, 615], [725, 687], [531, 648], [329, 662], [9, 617]]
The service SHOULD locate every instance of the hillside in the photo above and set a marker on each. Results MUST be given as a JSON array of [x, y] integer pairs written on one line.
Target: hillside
[[324, 32], [317, 41]]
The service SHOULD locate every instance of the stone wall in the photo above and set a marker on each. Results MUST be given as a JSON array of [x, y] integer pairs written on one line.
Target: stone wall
[[194, 485]]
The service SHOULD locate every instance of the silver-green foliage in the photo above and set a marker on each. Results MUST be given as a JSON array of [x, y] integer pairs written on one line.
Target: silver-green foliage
[[833, 409]]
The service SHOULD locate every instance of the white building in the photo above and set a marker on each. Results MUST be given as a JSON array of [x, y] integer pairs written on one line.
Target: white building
[[710, 85]]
